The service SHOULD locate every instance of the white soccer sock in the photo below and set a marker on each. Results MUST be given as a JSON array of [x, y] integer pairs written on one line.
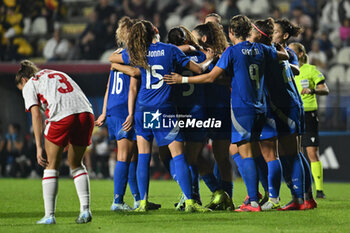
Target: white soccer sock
[[50, 188], [82, 185]]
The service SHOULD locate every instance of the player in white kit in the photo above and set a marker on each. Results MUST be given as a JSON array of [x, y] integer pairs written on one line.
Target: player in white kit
[[69, 123]]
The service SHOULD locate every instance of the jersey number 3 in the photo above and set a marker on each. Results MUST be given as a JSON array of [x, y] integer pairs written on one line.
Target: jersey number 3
[[63, 80]]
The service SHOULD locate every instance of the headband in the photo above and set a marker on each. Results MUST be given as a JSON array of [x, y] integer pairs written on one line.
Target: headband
[[260, 30]]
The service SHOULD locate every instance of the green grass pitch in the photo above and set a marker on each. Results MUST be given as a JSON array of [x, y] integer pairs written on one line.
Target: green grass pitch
[[21, 205]]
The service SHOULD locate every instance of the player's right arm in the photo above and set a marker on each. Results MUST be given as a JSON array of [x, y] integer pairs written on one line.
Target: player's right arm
[[175, 78], [38, 129], [133, 90]]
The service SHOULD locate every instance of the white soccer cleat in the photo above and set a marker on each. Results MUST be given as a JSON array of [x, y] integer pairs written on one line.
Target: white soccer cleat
[[84, 217], [121, 207], [47, 220]]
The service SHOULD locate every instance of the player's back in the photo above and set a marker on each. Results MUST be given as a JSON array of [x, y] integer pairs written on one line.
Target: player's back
[[118, 92], [59, 95], [248, 68], [162, 59], [279, 82]]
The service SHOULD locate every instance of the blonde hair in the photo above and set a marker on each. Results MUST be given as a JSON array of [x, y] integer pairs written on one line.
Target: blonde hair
[[28, 69], [124, 25], [139, 40], [301, 49]]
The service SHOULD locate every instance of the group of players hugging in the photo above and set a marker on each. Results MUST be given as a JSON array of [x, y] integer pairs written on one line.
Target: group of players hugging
[[246, 87]]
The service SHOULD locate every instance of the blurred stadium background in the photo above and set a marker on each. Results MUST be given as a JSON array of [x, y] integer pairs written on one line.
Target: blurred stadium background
[[77, 36]]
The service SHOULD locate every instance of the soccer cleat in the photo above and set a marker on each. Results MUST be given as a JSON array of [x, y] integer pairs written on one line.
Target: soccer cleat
[[192, 206], [47, 220], [143, 207], [84, 217], [218, 200], [309, 204], [248, 208], [181, 204], [292, 205], [320, 194], [270, 205], [120, 207], [264, 199], [153, 206]]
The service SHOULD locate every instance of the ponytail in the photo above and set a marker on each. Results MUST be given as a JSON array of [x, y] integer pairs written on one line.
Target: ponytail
[[139, 39], [265, 27], [28, 69]]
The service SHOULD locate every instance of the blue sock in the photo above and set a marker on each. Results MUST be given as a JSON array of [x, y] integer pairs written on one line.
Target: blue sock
[[263, 172], [133, 181], [170, 166], [183, 175], [251, 178], [274, 178], [195, 179], [211, 182], [142, 174], [227, 186], [217, 172], [238, 160], [308, 176], [120, 180], [296, 175], [287, 173]]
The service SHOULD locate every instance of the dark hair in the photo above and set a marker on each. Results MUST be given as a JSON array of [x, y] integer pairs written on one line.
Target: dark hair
[[139, 39], [28, 69], [190, 38], [288, 27], [266, 26], [216, 38], [217, 16], [241, 26], [176, 36]]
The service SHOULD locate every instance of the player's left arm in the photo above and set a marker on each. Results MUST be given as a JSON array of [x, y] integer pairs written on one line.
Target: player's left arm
[[116, 57], [38, 129], [128, 70], [199, 68]]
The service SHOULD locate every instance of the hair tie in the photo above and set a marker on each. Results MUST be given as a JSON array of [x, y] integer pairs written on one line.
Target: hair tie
[[260, 30]]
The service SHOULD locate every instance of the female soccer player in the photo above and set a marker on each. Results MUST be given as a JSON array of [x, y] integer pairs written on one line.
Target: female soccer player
[[210, 35], [115, 111], [245, 62], [311, 82], [191, 100], [283, 30], [284, 105], [155, 110], [69, 122]]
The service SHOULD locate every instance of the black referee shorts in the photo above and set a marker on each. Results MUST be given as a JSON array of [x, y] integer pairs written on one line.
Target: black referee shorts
[[310, 136]]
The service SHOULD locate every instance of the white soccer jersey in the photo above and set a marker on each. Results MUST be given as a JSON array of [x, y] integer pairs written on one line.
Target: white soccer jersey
[[56, 93]]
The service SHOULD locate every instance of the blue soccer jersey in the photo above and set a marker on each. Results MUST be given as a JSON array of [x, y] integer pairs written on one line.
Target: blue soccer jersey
[[162, 59], [117, 106], [155, 107], [293, 58], [246, 62]]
